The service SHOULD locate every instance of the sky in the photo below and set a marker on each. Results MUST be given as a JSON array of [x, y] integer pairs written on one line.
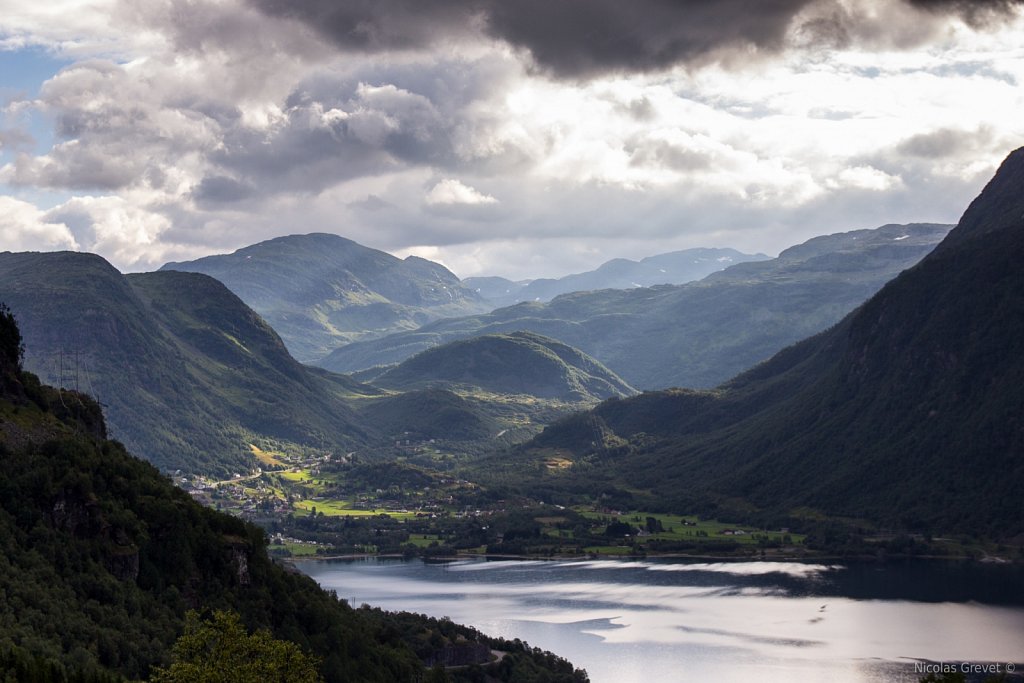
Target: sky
[[525, 138]]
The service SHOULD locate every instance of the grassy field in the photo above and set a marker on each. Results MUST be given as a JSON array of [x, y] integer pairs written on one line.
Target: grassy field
[[608, 550], [299, 549], [343, 508], [423, 540], [268, 458], [692, 528], [300, 476]]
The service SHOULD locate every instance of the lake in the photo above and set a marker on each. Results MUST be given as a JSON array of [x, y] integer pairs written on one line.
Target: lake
[[670, 620]]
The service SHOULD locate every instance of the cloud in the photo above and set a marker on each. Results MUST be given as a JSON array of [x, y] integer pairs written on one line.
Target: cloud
[[945, 142], [584, 38], [864, 178], [121, 230], [371, 203], [115, 129], [217, 189], [449, 191], [977, 13], [23, 227], [75, 27], [192, 126], [378, 26], [14, 139]]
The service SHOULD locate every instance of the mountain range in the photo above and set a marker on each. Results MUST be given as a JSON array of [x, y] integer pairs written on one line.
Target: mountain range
[[193, 379], [907, 413], [189, 376], [698, 334], [673, 268], [320, 291]]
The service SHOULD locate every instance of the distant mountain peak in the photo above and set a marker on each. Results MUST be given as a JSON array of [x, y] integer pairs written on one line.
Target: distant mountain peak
[[320, 290], [697, 334], [674, 267]]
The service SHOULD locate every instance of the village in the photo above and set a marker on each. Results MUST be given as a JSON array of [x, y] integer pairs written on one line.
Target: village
[[319, 504]]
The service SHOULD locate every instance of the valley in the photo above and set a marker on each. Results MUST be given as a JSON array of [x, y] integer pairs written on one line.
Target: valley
[[511, 342], [406, 511], [516, 445], [445, 452], [411, 507]]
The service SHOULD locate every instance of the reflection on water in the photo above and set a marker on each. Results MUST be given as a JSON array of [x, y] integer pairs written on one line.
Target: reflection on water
[[647, 621]]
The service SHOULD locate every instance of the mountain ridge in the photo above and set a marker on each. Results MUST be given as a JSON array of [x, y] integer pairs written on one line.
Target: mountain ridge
[[320, 290], [515, 363], [671, 268], [698, 334], [189, 375], [907, 412]]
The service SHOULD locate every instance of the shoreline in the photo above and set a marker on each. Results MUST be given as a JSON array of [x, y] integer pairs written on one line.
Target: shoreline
[[668, 556]]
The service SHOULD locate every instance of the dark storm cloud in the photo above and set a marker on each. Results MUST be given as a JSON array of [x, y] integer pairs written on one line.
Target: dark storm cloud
[[580, 37], [944, 143], [577, 38], [567, 37], [220, 190], [978, 13]]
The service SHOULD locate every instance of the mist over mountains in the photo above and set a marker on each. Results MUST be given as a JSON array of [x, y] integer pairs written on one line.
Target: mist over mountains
[[693, 335], [673, 268]]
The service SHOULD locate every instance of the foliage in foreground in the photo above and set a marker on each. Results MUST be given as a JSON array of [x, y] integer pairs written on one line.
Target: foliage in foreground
[[219, 648]]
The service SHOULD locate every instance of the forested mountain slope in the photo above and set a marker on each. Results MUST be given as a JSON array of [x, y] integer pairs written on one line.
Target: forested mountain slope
[[189, 375], [101, 556], [909, 412]]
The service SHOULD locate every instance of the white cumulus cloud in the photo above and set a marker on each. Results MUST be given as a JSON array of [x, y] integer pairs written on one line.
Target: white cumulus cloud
[[450, 191], [23, 227]]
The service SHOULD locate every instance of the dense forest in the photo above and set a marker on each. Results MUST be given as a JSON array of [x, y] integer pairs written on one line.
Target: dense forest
[[102, 558]]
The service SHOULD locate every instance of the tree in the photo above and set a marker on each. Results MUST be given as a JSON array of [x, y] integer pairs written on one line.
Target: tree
[[11, 348], [437, 674], [220, 650]]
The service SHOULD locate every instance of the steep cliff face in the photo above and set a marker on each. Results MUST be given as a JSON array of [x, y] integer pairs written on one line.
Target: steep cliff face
[[909, 412]]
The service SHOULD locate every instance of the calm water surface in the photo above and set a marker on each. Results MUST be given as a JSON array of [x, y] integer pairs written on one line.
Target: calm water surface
[[647, 621]]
